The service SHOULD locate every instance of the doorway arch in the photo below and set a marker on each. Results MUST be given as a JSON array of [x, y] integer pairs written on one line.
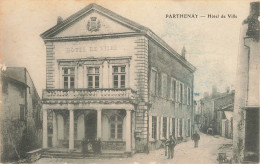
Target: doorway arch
[[91, 125]]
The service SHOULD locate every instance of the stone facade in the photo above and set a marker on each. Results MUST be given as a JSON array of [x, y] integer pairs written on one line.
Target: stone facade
[[165, 97], [113, 103], [21, 128], [246, 107]]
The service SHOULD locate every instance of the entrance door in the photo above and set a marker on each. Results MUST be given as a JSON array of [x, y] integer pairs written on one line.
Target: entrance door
[[91, 125], [252, 135]]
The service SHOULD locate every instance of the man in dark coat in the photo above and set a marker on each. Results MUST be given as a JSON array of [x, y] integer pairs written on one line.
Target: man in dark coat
[[170, 143], [196, 138]]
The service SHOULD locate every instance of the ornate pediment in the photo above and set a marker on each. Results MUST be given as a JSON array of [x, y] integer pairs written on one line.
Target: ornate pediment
[[92, 20]]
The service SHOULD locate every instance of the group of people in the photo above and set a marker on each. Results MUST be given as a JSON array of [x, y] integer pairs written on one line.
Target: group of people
[[172, 142], [90, 145]]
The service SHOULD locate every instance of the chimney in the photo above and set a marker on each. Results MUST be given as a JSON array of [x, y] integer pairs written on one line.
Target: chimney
[[183, 52], [214, 90], [228, 89], [205, 94], [59, 19], [252, 21]]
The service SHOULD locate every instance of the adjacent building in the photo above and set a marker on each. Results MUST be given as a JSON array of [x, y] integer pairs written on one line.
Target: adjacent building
[[110, 78], [247, 104], [21, 123], [215, 112], [224, 107]]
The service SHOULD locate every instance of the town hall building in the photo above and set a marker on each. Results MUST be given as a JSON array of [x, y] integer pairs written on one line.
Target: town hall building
[[112, 79]]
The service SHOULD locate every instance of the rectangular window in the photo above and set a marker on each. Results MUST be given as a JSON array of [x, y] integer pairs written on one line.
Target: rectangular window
[[180, 127], [119, 131], [154, 127], [93, 77], [113, 130], [181, 92], [164, 127], [173, 89], [22, 112], [153, 82], [116, 127], [189, 96], [119, 76], [173, 126], [5, 87], [164, 85], [177, 91], [68, 78], [189, 128]]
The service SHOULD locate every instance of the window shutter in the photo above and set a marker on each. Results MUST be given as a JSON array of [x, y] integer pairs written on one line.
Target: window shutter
[[177, 91], [187, 97], [183, 94]]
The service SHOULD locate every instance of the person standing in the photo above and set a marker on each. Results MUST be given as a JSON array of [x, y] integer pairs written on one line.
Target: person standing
[[171, 144], [196, 138]]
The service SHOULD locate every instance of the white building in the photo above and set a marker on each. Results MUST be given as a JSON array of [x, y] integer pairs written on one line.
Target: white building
[[104, 81]]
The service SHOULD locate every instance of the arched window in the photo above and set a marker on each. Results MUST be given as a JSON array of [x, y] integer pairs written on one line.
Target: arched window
[[116, 127]]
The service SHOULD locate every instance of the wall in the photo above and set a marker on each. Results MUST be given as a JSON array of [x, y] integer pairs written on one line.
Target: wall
[[219, 104], [161, 106], [12, 127], [134, 47], [34, 114], [247, 81], [19, 136], [207, 114]]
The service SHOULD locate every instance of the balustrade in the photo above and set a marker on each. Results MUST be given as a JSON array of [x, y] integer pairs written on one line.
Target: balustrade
[[121, 93]]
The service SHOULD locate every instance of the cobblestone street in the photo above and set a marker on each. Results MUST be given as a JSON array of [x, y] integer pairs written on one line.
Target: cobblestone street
[[184, 153]]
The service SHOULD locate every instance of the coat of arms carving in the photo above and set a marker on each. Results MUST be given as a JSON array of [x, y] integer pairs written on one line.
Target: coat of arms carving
[[93, 24]]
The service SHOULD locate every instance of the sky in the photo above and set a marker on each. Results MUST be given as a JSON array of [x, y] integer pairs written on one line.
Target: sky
[[211, 43]]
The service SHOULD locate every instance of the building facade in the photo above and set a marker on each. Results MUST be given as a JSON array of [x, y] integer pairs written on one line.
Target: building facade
[[110, 78], [21, 123], [224, 107], [216, 113], [246, 107]]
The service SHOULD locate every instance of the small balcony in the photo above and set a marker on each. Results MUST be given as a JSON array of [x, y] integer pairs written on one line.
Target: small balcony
[[89, 94]]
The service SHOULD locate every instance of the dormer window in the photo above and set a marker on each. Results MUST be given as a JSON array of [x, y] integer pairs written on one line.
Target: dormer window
[[68, 78]]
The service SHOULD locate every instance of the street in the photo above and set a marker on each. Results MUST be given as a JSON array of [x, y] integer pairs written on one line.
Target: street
[[184, 153]]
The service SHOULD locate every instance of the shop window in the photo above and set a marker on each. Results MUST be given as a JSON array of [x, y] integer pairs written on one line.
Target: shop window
[[164, 127]]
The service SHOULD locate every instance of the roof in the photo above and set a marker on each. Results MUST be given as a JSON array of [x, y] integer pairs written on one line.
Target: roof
[[229, 107], [218, 96], [131, 24], [15, 74]]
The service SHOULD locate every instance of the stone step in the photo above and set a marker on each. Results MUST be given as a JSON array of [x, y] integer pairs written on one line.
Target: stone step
[[76, 155]]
